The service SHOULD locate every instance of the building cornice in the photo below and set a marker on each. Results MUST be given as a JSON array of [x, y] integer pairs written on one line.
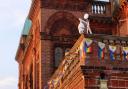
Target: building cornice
[[35, 4]]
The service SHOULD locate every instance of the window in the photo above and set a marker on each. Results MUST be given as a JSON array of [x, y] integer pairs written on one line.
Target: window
[[58, 55], [60, 50]]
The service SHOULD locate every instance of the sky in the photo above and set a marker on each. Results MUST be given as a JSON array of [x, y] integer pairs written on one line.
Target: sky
[[12, 17]]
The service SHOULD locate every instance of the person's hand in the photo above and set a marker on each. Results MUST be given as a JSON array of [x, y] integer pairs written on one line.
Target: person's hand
[[80, 19]]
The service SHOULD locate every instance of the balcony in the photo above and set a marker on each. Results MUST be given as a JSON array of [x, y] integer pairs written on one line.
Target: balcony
[[94, 8], [72, 65]]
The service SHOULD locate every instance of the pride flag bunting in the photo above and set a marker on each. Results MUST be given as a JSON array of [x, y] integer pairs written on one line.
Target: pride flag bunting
[[112, 50], [101, 47], [88, 49], [88, 42], [125, 53], [85, 47]]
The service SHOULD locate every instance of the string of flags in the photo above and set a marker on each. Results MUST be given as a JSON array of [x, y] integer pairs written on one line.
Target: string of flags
[[112, 50], [101, 48], [85, 48], [125, 53]]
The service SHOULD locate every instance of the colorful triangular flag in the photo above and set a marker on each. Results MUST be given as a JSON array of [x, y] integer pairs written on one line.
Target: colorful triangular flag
[[125, 53], [101, 48], [88, 42], [112, 50]]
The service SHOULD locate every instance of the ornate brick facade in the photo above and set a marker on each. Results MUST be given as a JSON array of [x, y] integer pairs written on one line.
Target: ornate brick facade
[[54, 27]]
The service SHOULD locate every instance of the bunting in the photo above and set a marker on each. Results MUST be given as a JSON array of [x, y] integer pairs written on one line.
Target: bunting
[[88, 48], [112, 50], [88, 41], [125, 53], [101, 48], [85, 47]]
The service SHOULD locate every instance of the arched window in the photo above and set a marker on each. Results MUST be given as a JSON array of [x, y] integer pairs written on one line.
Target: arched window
[[58, 55]]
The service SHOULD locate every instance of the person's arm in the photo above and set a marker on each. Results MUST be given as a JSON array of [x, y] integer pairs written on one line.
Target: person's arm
[[81, 20]]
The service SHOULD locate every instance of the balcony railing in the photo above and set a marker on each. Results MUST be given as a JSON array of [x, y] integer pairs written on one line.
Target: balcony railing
[[98, 8], [92, 7]]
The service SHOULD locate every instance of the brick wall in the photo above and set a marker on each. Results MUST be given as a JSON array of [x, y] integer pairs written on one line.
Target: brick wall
[[46, 61], [123, 21]]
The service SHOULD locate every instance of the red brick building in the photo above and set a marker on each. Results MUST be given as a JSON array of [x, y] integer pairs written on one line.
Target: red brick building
[[51, 30]]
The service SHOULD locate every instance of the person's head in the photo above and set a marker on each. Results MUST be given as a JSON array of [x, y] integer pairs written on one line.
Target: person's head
[[86, 16]]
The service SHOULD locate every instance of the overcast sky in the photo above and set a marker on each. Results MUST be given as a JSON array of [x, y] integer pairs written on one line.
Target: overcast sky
[[12, 16]]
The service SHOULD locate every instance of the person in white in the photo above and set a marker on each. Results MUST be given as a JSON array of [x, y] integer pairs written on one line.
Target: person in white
[[84, 26]]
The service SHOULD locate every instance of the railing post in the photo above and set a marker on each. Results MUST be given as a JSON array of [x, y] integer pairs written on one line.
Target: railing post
[[100, 8]]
